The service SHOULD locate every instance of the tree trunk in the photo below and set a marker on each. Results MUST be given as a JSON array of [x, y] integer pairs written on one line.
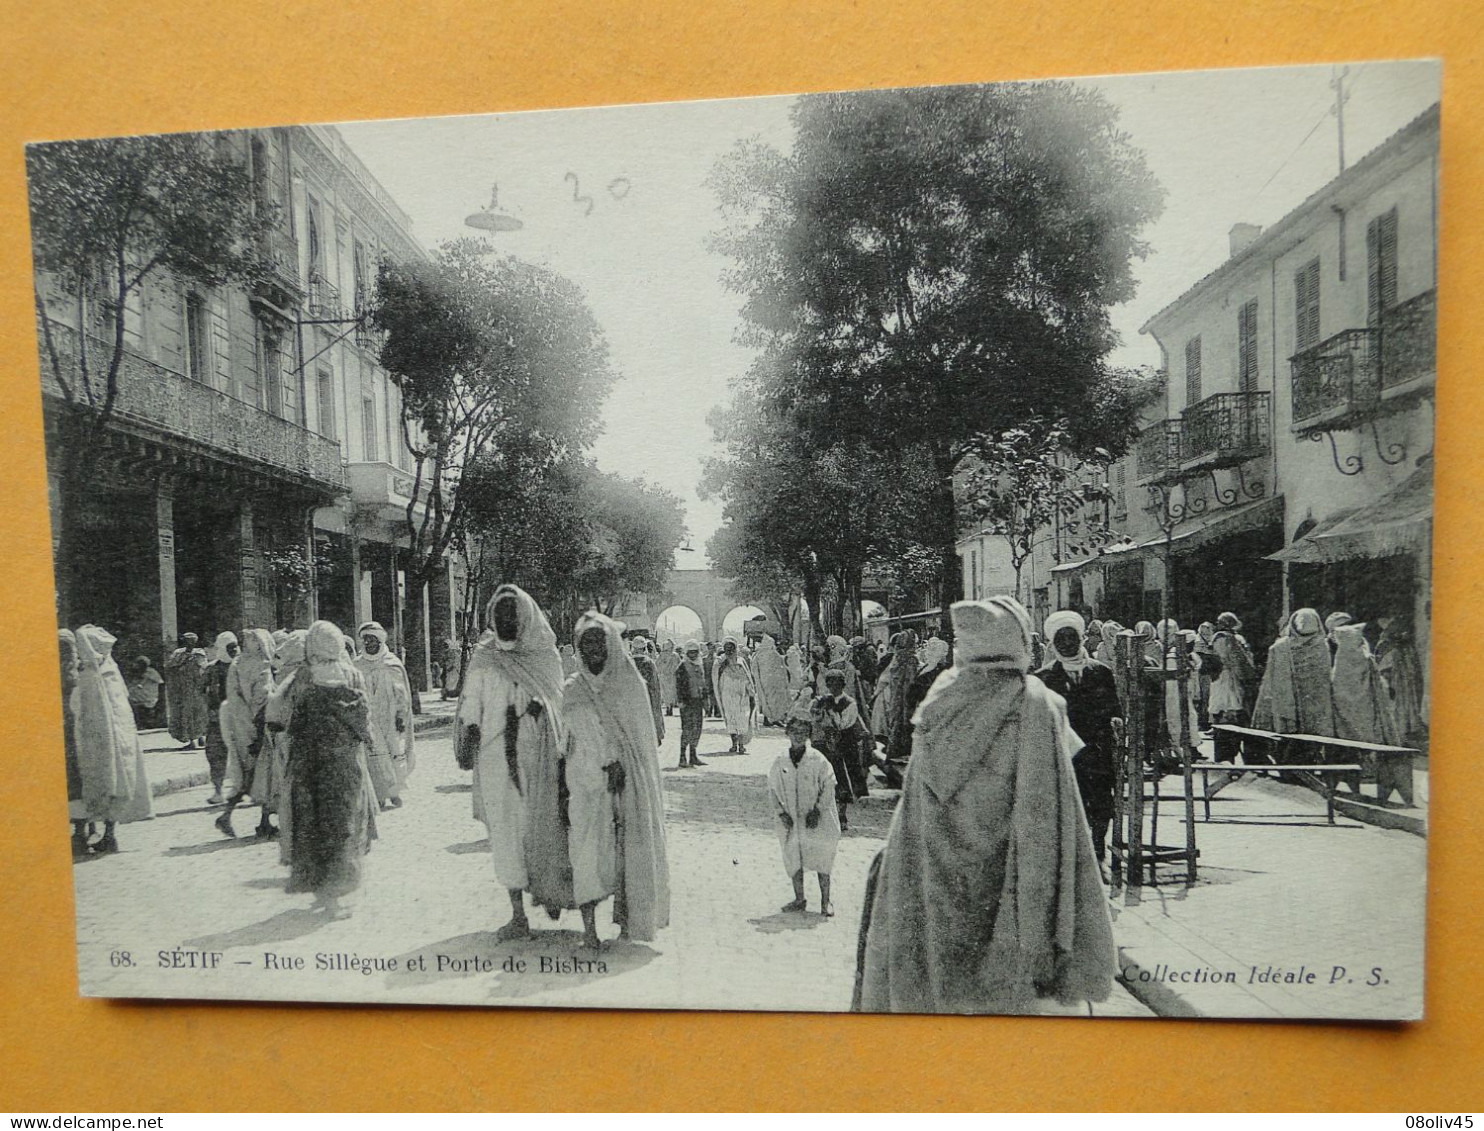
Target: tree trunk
[[812, 599], [412, 634], [945, 518]]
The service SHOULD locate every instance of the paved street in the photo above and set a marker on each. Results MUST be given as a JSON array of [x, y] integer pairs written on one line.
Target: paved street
[[430, 895], [1278, 888]]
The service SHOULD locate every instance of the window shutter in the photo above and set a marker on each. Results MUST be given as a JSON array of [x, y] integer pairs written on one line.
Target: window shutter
[[1388, 260], [1247, 347], [1373, 272], [1192, 371], [1306, 299]]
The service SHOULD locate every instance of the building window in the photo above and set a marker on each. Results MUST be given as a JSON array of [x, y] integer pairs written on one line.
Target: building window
[[270, 371], [198, 348], [368, 427], [1380, 253], [1120, 489], [1306, 306], [1193, 371], [974, 575], [1247, 347], [324, 392], [358, 265]]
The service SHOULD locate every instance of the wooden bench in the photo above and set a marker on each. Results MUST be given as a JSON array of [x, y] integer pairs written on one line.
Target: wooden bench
[[1324, 778], [1392, 764]]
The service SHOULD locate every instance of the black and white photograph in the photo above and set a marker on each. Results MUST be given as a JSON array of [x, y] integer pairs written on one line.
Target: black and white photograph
[[954, 549]]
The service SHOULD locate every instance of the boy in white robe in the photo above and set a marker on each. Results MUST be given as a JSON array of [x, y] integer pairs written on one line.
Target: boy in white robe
[[802, 786]]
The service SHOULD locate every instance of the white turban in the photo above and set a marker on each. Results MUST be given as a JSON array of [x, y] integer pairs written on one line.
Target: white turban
[[1064, 619]]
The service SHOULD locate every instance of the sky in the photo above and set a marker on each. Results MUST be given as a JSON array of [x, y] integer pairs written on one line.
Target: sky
[[616, 199]]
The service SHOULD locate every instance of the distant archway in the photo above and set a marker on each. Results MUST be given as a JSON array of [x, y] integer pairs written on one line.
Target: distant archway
[[679, 623], [731, 624]]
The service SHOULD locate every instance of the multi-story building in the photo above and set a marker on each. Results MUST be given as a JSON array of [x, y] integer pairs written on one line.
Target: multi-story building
[[256, 472], [1288, 463]]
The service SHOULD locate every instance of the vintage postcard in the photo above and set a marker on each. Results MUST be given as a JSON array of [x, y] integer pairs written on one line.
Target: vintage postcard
[[959, 549]]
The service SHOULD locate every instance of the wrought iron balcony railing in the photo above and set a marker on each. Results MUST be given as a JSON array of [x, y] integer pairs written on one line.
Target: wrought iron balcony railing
[[323, 297], [1225, 430], [1157, 452], [174, 406], [1409, 335], [1336, 381], [280, 255]]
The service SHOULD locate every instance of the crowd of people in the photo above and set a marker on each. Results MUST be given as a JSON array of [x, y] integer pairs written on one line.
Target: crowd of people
[[989, 893]]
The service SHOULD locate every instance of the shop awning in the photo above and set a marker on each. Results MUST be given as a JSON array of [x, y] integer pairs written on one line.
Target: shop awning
[[1223, 523], [1113, 555], [1399, 522]]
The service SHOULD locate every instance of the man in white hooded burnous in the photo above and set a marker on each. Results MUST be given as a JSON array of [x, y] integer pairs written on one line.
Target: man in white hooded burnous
[[510, 734]]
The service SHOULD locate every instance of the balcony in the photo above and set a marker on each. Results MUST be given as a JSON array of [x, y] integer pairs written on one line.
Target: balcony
[[1358, 375], [1337, 383], [279, 282], [1409, 339], [1157, 452], [157, 400], [1225, 430], [383, 490], [323, 298]]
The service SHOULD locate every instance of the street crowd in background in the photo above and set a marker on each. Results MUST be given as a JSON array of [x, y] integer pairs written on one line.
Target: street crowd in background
[[990, 893]]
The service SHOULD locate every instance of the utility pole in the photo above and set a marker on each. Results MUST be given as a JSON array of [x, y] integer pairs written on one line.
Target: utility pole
[[1337, 84]]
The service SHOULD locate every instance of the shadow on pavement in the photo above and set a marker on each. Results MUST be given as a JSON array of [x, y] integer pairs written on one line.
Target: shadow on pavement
[[283, 927], [548, 960], [266, 883], [787, 921], [469, 847], [214, 846], [467, 787]]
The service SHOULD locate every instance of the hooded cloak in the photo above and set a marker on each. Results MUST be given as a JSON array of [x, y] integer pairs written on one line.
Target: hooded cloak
[[1300, 694], [772, 681], [617, 841], [115, 786], [1362, 709], [988, 896], [249, 683], [392, 753], [513, 700]]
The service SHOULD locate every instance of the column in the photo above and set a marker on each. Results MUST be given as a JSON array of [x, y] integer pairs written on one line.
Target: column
[[165, 554], [243, 593]]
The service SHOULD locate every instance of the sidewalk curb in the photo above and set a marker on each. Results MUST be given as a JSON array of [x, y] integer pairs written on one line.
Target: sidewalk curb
[[179, 783], [1381, 818], [1156, 996]]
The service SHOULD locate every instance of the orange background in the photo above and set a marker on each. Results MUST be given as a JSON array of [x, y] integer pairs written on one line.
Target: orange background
[[91, 68]]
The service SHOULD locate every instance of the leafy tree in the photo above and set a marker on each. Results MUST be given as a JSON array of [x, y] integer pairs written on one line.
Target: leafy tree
[[108, 218], [938, 264], [488, 352], [634, 528], [1024, 480]]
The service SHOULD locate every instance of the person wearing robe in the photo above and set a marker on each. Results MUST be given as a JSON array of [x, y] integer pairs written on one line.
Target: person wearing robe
[[649, 672], [802, 786], [391, 754], [510, 732], [772, 681], [1169, 638], [708, 662], [737, 691], [1092, 705], [616, 834], [840, 660], [115, 786], [1234, 685], [1204, 646], [214, 692], [690, 692], [1107, 648], [453, 668], [667, 663], [896, 682], [143, 683], [987, 896], [842, 737], [934, 657], [76, 810], [329, 820], [867, 668], [1401, 672], [793, 663], [269, 774], [1362, 707], [185, 699], [249, 683], [1300, 695]]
